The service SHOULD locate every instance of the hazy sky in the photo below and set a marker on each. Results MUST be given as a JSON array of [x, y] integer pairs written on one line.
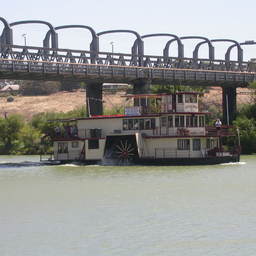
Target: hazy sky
[[231, 19]]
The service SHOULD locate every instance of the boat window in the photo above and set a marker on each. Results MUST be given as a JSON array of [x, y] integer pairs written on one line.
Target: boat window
[[188, 121], [95, 133], [153, 123], [74, 144], [196, 145], [62, 147], [180, 98], [183, 144], [147, 124], [163, 121], [170, 121], [179, 121], [136, 124], [141, 124], [191, 98], [192, 121], [125, 124], [201, 121], [130, 124], [93, 144]]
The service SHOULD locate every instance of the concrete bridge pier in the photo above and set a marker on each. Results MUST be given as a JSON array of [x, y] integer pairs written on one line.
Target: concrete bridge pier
[[141, 86], [94, 102], [229, 106]]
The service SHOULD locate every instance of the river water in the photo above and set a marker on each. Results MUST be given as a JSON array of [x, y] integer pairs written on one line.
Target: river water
[[127, 211]]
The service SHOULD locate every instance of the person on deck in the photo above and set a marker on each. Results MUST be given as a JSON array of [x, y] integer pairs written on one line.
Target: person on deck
[[218, 124]]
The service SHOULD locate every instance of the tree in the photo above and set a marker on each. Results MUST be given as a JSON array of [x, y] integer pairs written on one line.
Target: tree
[[29, 140], [10, 128], [247, 128]]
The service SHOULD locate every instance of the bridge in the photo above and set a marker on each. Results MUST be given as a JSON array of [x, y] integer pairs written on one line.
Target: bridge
[[50, 62]]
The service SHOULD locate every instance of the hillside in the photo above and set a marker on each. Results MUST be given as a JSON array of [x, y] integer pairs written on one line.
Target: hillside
[[57, 102], [66, 101]]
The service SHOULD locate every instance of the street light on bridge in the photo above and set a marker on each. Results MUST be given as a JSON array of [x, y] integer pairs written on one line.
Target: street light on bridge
[[112, 47], [25, 39]]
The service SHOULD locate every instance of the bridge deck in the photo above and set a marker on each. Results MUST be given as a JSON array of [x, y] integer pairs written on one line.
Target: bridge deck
[[41, 70], [35, 63]]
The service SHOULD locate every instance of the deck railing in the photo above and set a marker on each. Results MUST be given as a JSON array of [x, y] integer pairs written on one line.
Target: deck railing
[[225, 130], [174, 153]]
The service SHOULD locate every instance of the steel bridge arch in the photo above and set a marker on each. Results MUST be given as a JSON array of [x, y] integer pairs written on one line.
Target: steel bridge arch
[[227, 55], [234, 45], [93, 33], [180, 45], [140, 42], [195, 56], [94, 45], [6, 36], [53, 32]]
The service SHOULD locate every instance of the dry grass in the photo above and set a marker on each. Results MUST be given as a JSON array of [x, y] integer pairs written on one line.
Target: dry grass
[[28, 106]]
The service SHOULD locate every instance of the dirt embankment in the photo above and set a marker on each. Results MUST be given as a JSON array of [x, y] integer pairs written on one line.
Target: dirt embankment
[[67, 101], [57, 102]]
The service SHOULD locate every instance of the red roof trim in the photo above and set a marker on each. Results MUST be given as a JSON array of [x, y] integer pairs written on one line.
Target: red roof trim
[[66, 139], [125, 116], [103, 116], [142, 116]]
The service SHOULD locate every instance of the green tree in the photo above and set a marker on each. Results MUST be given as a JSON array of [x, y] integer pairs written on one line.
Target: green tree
[[29, 140], [247, 128], [9, 136]]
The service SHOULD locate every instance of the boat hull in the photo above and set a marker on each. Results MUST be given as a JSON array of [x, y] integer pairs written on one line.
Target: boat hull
[[159, 161], [188, 161]]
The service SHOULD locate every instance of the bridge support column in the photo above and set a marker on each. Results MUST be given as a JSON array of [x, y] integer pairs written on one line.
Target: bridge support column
[[94, 103], [229, 104]]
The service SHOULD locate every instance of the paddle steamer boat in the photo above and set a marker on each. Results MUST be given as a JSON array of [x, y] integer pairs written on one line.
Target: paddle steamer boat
[[156, 129]]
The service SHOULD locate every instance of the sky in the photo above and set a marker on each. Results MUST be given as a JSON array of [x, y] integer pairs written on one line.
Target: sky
[[229, 19]]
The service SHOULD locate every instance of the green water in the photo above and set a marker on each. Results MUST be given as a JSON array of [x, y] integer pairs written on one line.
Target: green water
[[131, 211]]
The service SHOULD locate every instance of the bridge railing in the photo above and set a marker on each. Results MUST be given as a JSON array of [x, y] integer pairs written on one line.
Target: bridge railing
[[67, 56]]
